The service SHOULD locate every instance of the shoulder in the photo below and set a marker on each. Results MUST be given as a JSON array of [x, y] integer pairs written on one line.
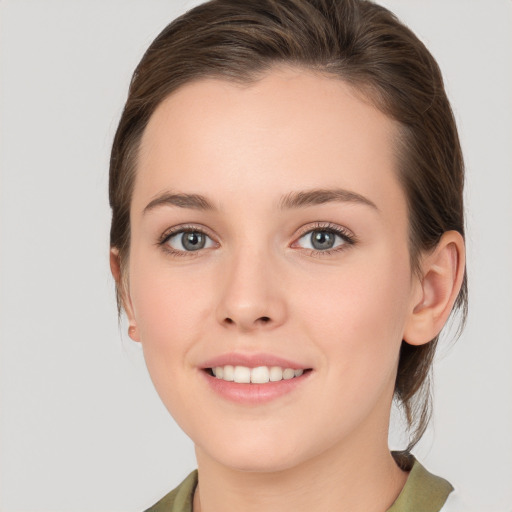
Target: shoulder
[[179, 499], [423, 491]]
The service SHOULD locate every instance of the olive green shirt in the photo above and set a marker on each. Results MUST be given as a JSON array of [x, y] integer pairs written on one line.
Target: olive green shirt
[[423, 492]]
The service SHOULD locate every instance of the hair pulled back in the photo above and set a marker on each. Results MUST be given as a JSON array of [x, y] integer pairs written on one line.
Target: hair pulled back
[[355, 41]]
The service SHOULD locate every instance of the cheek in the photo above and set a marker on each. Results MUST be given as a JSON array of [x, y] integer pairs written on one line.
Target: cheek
[[357, 316], [356, 319], [171, 309]]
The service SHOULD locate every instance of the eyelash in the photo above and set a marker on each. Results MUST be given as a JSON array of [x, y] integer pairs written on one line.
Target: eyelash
[[348, 238], [167, 235]]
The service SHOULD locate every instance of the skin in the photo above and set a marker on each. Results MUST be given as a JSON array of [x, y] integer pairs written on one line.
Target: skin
[[257, 286]]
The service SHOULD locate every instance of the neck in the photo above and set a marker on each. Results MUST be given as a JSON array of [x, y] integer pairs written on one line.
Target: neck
[[355, 476]]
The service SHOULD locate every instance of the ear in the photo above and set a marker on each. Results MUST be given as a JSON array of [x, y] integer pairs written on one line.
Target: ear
[[121, 285], [443, 272]]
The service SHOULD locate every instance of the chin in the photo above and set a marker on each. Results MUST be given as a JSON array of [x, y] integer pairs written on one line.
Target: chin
[[258, 463], [253, 457]]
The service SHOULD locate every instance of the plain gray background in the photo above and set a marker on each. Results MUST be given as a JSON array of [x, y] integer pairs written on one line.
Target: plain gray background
[[81, 427]]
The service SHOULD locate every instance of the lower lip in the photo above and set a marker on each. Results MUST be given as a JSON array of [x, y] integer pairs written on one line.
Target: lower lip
[[254, 393]]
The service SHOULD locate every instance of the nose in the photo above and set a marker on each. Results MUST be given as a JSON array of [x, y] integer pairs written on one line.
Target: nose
[[252, 292]]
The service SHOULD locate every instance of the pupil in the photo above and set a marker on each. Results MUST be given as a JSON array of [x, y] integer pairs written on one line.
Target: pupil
[[193, 241], [322, 239]]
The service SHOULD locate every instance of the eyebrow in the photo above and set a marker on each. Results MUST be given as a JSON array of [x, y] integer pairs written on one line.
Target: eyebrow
[[305, 198], [191, 201], [300, 199]]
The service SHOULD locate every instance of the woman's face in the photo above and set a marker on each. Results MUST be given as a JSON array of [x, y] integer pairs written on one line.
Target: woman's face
[[269, 231]]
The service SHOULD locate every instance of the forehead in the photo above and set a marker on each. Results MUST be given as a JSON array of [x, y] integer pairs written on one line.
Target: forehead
[[292, 129]]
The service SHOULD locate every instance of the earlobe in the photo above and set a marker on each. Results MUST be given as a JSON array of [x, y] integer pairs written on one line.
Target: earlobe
[[115, 268], [443, 272], [133, 333]]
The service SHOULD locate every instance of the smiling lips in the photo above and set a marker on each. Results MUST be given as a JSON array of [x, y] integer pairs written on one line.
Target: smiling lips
[[254, 378], [257, 375]]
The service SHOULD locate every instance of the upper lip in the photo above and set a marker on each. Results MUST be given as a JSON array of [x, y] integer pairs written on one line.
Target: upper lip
[[252, 361]]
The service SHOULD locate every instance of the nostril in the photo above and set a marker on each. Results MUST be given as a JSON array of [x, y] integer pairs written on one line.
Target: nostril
[[261, 320]]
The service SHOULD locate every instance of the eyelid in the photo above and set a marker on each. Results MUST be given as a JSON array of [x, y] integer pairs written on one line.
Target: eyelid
[[344, 233], [327, 226], [184, 228]]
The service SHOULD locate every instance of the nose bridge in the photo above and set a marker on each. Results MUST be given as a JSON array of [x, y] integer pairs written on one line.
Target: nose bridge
[[251, 295]]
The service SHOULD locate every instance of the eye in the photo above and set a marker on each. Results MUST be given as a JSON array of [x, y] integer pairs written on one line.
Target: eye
[[324, 239], [188, 241]]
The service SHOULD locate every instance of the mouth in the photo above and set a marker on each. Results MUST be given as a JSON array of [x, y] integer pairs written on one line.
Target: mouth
[[256, 378], [255, 375]]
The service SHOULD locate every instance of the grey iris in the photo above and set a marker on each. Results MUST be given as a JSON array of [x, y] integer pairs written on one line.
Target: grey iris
[[193, 241], [322, 240]]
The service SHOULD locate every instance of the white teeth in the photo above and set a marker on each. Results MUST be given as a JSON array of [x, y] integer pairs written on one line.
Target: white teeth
[[288, 374], [258, 375], [276, 373], [229, 373], [242, 374]]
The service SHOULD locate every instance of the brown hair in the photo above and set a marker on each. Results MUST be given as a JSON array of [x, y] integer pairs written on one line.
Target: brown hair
[[356, 41]]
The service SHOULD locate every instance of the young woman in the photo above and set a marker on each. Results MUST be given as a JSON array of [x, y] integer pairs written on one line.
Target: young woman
[[287, 242]]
